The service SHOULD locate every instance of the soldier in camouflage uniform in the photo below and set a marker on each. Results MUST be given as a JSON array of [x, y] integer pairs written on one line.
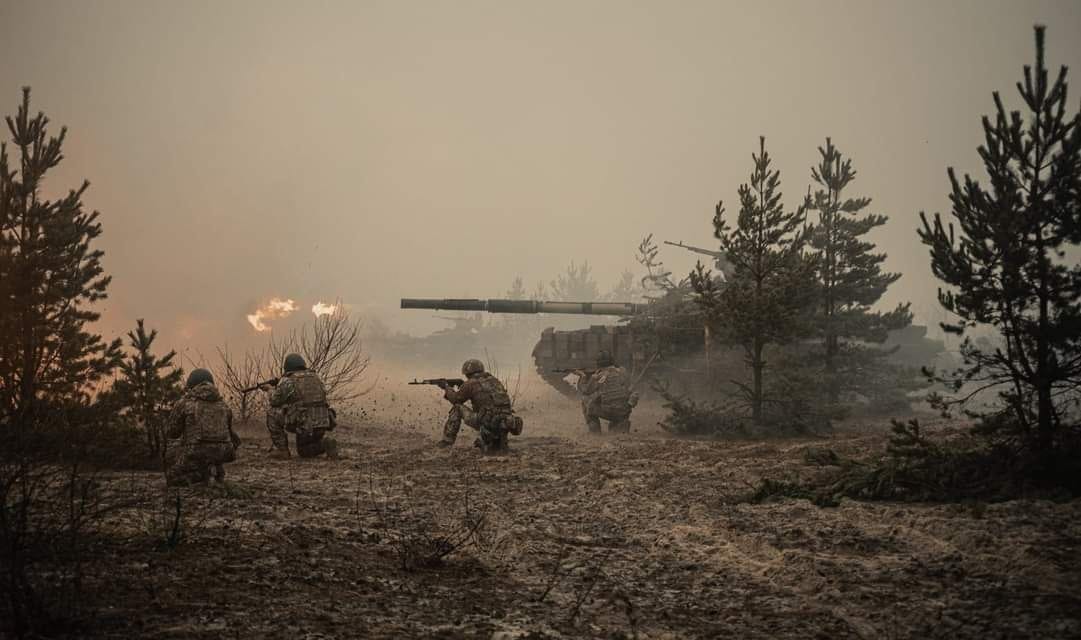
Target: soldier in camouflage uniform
[[491, 413], [606, 394], [298, 405], [202, 426]]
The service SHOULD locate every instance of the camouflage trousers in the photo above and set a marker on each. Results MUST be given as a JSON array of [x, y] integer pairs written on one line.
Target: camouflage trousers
[[493, 434], [309, 444], [619, 419], [275, 424], [197, 463]]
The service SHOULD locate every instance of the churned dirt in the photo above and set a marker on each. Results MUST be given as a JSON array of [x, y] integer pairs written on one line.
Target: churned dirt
[[570, 536]]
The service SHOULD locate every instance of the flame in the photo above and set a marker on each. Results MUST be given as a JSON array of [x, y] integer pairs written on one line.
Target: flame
[[324, 309], [276, 308]]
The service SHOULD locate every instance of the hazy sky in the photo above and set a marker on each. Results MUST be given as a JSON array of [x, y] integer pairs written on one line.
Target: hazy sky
[[371, 151]]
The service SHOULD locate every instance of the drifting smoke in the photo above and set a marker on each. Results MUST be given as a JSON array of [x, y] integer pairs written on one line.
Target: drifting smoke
[[276, 308], [323, 309]]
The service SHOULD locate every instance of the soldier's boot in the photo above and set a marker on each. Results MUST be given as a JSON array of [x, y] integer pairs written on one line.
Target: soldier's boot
[[514, 425], [620, 426], [279, 454], [593, 423], [330, 447], [217, 473], [186, 477], [493, 447]]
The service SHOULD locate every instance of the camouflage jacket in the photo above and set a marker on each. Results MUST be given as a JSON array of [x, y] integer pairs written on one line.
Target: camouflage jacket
[[201, 416], [486, 393], [303, 399], [610, 384]]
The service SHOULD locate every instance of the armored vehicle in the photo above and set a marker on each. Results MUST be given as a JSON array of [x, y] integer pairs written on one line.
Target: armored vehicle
[[667, 336], [648, 335]]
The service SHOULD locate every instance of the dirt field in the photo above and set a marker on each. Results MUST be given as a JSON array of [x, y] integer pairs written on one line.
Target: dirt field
[[635, 536]]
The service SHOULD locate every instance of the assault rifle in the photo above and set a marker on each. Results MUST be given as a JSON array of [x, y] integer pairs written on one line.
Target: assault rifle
[[273, 382], [442, 383], [587, 372]]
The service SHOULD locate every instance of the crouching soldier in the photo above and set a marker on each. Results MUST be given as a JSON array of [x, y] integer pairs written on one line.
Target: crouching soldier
[[606, 394], [491, 413], [202, 426], [298, 405]]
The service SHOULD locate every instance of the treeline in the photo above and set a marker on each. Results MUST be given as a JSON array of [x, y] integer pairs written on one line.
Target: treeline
[[576, 283], [1007, 261], [73, 404]]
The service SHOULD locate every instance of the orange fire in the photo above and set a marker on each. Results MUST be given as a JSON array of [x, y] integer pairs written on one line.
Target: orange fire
[[276, 308], [324, 309]]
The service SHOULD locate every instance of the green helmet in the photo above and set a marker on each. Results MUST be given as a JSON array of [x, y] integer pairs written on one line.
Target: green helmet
[[604, 359], [294, 362], [471, 366], [198, 376]]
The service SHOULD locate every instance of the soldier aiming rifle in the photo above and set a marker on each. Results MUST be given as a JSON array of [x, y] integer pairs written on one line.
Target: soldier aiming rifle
[[491, 413], [298, 405], [607, 393]]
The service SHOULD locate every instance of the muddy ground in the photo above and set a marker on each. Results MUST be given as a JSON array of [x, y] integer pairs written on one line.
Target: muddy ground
[[570, 536]]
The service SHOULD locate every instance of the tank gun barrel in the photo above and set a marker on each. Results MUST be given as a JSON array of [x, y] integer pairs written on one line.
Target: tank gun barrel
[[494, 305]]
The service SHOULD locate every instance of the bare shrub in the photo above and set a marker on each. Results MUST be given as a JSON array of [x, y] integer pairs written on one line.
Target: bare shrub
[[423, 540], [332, 347], [176, 516], [51, 505], [235, 377]]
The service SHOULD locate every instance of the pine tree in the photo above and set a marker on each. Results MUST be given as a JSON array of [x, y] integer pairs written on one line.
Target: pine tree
[[658, 280], [626, 289], [49, 278], [148, 386], [576, 284], [770, 290], [1005, 262], [517, 290], [850, 278]]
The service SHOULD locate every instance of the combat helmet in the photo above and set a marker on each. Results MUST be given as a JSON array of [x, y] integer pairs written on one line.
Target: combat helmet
[[198, 376], [294, 362], [604, 359], [471, 366]]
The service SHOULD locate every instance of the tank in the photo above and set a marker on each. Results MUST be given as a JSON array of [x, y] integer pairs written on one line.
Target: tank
[[667, 336], [645, 335]]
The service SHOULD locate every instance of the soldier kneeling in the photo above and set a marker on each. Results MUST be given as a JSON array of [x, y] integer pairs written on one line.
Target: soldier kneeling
[[606, 394], [491, 413], [203, 423], [298, 405]]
